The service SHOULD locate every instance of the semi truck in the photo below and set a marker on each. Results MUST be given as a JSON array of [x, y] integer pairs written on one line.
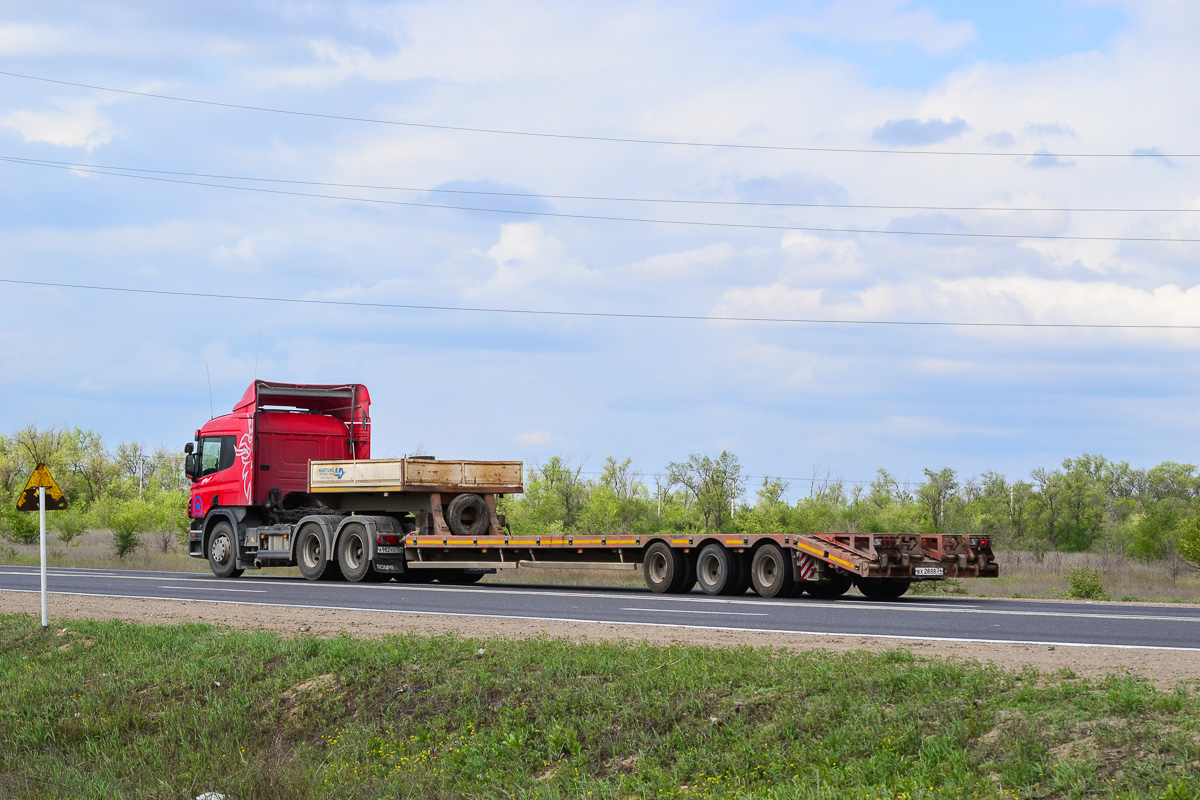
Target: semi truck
[[287, 479]]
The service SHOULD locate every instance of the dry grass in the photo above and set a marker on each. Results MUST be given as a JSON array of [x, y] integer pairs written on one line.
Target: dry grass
[[1025, 575]]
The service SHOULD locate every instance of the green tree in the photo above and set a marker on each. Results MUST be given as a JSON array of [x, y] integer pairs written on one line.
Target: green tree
[[936, 492], [715, 484]]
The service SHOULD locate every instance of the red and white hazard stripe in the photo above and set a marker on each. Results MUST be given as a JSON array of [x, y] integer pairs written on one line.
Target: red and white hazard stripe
[[808, 566]]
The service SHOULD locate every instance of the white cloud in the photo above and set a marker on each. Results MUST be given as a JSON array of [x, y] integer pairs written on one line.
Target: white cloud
[[78, 124], [534, 438]]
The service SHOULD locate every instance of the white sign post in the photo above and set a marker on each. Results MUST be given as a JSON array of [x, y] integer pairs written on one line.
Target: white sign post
[[42, 481], [42, 515]]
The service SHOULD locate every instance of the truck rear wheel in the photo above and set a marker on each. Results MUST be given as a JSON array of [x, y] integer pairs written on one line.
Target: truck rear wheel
[[312, 556], [771, 572], [468, 515], [883, 588], [222, 553], [354, 555], [719, 571]]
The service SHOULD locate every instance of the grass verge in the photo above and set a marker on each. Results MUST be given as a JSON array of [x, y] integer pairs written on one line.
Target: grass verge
[[115, 710]]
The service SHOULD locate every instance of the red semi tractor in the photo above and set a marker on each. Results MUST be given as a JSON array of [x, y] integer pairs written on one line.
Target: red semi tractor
[[286, 479]]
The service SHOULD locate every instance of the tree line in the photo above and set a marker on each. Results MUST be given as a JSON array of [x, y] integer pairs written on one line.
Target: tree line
[[1086, 504], [129, 490]]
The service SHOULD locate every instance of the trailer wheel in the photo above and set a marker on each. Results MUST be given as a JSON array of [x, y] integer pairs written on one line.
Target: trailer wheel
[[222, 555], [833, 588], [468, 515], [771, 572], [883, 588], [718, 571], [664, 568], [354, 554], [313, 557]]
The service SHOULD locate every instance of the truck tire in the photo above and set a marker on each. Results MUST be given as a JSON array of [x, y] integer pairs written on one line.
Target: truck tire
[[222, 551], [883, 588], [468, 515], [313, 557], [664, 568], [771, 572], [354, 555], [718, 571], [833, 588]]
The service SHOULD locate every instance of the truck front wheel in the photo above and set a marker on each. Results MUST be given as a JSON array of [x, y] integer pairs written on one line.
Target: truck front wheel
[[312, 556], [222, 557]]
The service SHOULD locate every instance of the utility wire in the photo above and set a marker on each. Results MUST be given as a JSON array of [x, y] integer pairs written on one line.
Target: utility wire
[[577, 137], [597, 198], [594, 314], [607, 218]]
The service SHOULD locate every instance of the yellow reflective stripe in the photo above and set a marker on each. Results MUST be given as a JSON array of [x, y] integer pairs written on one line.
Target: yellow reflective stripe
[[622, 541]]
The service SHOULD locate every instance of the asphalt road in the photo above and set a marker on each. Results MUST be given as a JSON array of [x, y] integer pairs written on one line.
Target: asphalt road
[[911, 618]]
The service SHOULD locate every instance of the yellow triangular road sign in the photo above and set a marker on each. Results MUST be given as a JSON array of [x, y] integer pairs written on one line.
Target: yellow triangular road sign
[[55, 500]]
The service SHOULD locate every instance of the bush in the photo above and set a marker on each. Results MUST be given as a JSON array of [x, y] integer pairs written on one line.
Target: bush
[[1085, 584], [69, 524], [19, 526], [1188, 543]]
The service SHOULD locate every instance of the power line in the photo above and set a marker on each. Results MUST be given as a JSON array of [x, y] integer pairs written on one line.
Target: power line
[[578, 137], [594, 314], [596, 198], [608, 218]]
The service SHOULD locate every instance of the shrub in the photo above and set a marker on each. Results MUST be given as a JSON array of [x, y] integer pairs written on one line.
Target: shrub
[[1188, 543], [19, 526], [1085, 584]]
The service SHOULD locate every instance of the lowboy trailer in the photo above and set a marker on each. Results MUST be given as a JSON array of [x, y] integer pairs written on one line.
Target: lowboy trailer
[[418, 519]]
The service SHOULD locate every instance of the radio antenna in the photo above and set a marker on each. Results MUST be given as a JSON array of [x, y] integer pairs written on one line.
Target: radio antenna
[[210, 402], [257, 347]]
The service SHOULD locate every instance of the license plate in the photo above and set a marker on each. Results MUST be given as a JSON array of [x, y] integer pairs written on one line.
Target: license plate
[[926, 571], [386, 549]]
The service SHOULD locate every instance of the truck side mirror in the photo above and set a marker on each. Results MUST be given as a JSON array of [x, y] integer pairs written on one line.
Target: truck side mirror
[[190, 467], [189, 447]]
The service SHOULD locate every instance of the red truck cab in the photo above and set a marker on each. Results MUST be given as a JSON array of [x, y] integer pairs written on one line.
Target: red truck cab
[[253, 462]]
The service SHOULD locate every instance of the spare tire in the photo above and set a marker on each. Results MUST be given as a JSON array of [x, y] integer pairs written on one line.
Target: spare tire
[[468, 515]]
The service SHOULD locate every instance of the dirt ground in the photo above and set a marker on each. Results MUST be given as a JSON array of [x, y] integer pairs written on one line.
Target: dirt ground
[[1164, 667]]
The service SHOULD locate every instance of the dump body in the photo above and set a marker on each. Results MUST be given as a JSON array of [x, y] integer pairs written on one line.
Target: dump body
[[285, 479]]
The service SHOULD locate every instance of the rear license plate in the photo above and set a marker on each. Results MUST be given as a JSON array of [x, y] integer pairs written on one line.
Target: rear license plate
[[928, 571], [386, 549]]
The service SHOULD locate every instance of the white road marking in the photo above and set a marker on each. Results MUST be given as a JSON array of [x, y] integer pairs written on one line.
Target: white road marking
[[780, 632], [689, 611], [830, 605]]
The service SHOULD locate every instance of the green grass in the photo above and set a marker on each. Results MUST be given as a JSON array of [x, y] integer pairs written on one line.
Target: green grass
[[115, 710]]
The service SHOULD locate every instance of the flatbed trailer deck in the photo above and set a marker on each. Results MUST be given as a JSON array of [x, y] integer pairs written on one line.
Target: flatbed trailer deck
[[823, 564]]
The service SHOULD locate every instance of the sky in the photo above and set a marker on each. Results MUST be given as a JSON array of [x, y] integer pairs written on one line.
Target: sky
[[974, 143]]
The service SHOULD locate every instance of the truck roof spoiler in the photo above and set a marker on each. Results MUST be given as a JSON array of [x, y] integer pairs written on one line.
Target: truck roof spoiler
[[349, 402]]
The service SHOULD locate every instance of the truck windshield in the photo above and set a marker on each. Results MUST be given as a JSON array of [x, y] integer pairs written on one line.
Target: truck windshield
[[216, 454]]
